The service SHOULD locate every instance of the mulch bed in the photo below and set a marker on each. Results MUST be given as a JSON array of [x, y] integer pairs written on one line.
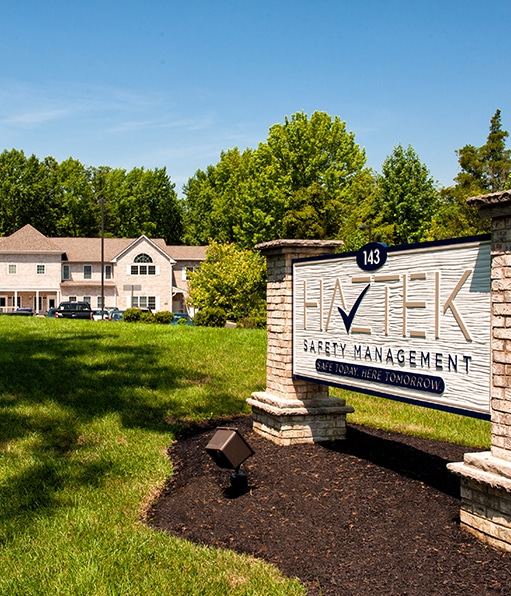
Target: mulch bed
[[375, 514]]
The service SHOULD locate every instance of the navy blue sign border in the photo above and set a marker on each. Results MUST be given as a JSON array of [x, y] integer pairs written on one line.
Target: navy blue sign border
[[408, 400], [376, 393], [399, 248]]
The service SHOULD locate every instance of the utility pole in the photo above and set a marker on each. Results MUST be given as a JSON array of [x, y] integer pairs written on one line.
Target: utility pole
[[102, 203]]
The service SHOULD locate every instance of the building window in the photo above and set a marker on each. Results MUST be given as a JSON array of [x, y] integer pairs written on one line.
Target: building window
[[72, 298], [66, 272], [187, 271], [40, 269], [142, 258], [12, 269], [144, 302], [108, 271], [87, 272], [143, 270], [87, 299], [99, 302]]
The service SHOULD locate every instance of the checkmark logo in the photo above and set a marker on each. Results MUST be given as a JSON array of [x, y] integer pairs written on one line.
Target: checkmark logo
[[348, 317]]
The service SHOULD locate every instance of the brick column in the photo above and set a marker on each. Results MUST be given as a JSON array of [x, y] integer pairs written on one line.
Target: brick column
[[292, 410], [486, 477]]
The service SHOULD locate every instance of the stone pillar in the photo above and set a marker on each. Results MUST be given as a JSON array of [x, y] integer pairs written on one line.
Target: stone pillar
[[291, 410], [486, 477]]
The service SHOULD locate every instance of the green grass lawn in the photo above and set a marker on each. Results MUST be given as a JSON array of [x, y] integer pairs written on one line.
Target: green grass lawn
[[87, 410]]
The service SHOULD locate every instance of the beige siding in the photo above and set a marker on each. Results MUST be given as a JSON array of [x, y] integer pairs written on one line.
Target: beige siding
[[158, 285], [26, 276], [28, 248]]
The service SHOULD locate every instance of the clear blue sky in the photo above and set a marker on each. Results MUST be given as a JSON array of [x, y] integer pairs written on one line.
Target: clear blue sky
[[156, 83]]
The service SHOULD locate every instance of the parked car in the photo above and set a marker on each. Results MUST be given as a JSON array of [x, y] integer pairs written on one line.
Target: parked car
[[74, 310], [181, 316], [117, 315], [96, 315], [23, 312]]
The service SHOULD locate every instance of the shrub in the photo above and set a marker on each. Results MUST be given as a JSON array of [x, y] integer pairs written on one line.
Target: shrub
[[211, 317], [132, 315], [254, 321], [135, 315], [165, 317], [147, 317]]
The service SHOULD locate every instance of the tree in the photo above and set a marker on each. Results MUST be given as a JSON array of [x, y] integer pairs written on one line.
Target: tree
[[495, 156], [62, 199], [484, 169], [405, 200], [302, 174], [294, 185], [139, 202], [487, 168], [232, 279], [25, 193], [165, 208], [359, 211], [74, 193], [213, 202]]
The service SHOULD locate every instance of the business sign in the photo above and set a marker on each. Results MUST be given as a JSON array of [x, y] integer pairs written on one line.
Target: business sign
[[410, 323]]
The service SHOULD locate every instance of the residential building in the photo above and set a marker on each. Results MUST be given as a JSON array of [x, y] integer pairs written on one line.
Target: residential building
[[39, 272]]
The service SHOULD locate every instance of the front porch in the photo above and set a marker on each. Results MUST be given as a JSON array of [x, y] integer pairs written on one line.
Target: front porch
[[40, 300]]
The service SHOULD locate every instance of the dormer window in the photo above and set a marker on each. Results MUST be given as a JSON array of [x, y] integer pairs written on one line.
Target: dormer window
[[142, 258], [144, 269]]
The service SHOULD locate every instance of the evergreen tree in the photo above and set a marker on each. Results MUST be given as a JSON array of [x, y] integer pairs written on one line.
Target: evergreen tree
[[484, 170]]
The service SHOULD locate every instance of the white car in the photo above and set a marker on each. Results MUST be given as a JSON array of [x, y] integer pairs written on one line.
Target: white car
[[96, 314]]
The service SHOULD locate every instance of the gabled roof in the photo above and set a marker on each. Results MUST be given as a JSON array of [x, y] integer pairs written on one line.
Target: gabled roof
[[187, 253], [158, 243], [89, 249], [28, 240]]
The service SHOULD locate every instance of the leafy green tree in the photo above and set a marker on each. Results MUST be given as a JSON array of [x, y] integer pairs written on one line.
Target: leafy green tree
[[496, 157], [198, 206], [139, 202], [405, 200], [359, 211], [302, 174], [78, 209], [62, 199], [232, 279], [25, 193], [213, 202], [294, 185], [454, 217], [165, 207]]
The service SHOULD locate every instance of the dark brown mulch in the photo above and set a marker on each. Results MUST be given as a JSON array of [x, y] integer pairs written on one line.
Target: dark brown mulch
[[375, 514]]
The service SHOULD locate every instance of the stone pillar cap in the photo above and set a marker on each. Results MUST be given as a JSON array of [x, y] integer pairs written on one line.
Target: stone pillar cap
[[494, 204], [291, 245]]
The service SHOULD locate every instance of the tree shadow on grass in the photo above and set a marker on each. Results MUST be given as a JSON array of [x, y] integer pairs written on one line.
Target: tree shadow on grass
[[47, 396]]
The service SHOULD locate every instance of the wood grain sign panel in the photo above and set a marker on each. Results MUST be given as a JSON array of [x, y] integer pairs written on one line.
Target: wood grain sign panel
[[410, 323]]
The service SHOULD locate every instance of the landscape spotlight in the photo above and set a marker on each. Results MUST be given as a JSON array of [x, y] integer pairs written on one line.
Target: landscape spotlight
[[228, 449]]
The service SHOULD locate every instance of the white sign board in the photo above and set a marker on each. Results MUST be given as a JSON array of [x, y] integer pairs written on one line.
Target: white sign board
[[410, 323]]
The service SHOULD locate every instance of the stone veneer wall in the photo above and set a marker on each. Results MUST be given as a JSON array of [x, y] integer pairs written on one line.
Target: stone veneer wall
[[486, 477], [501, 337], [292, 410]]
